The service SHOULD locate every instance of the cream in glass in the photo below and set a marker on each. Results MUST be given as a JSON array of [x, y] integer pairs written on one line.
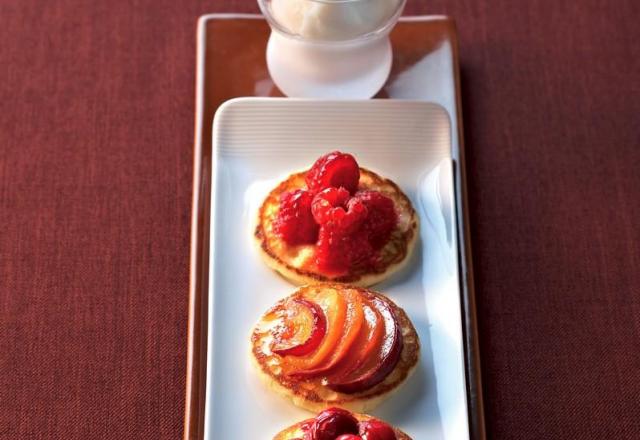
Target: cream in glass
[[330, 48]]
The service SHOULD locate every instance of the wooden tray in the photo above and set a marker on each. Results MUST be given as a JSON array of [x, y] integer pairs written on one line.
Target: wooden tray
[[231, 63]]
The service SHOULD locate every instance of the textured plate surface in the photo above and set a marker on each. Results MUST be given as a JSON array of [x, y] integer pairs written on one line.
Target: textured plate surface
[[256, 143]]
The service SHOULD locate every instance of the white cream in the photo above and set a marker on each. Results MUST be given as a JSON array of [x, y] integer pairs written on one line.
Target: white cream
[[332, 20]]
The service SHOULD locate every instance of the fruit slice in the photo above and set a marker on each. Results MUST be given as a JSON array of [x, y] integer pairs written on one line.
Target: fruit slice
[[377, 367], [336, 170], [367, 343], [303, 327], [335, 309], [352, 325]]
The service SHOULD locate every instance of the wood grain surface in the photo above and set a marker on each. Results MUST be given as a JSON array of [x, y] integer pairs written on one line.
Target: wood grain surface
[[96, 130]]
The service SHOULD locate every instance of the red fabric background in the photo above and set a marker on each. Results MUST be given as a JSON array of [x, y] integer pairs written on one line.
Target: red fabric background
[[96, 129]]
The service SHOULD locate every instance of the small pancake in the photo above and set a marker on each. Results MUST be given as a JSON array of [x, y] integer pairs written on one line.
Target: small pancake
[[296, 432], [311, 393], [297, 263]]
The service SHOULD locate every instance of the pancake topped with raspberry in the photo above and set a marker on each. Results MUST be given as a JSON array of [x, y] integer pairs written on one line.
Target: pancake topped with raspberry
[[340, 424], [336, 222]]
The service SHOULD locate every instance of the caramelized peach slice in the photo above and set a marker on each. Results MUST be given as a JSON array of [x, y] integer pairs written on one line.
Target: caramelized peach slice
[[302, 328], [352, 325], [375, 369], [334, 306], [366, 344]]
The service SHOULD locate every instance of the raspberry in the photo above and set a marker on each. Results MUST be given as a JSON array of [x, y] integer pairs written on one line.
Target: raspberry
[[376, 430], [335, 170], [333, 422], [330, 256], [306, 428], [294, 222], [345, 241], [328, 207], [337, 251], [381, 219]]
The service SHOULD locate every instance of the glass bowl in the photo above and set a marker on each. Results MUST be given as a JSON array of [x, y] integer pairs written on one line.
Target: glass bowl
[[330, 48]]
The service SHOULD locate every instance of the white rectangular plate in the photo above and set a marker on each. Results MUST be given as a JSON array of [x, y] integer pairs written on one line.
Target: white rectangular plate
[[259, 141]]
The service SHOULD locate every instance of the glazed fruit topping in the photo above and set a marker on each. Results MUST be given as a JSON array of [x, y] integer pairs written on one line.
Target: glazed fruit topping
[[351, 330], [335, 308], [302, 329], [350, 235], [339, 251], [335, 170], [349, 338], [376, 430], [348, 226], [333, 207], [340, 424], [332, 423], [295, 223], [381, 219], [377, 366], [328, 203], [366, 346]]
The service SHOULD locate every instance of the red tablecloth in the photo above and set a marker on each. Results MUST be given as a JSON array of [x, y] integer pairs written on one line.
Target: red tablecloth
[[96, 129]]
